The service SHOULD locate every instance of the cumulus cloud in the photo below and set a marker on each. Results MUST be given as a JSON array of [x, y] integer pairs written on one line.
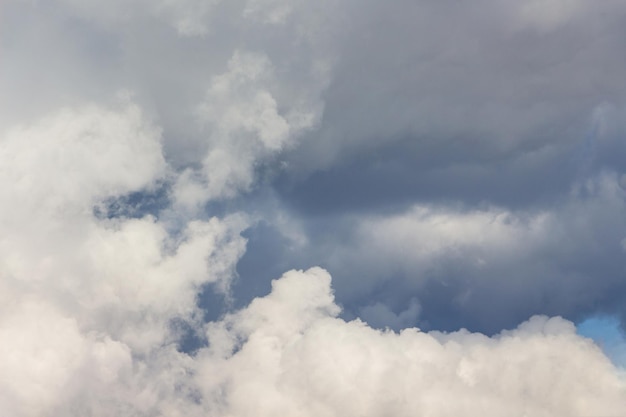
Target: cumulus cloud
[[89, 299], [472, 173], [244, 127], [608, 334], [288, 353]]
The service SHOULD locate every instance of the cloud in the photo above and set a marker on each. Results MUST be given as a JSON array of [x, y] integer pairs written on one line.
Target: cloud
[[379, 315], [288, 353], [244, 127], [89, 300], [452, 165], [462, 261], [490, 79], [608, 334]]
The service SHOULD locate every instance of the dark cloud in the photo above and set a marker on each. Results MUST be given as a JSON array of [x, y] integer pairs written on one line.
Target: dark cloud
[[465, 107], [473, 266], [394, 176]]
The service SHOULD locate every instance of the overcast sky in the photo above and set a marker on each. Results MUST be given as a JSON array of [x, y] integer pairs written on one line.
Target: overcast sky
[[312, 208]]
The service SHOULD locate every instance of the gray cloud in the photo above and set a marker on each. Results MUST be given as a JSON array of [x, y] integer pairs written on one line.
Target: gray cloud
[[466, 262]]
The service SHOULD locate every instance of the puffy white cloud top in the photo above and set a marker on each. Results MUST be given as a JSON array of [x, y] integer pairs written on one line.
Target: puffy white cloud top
[[288, 353]]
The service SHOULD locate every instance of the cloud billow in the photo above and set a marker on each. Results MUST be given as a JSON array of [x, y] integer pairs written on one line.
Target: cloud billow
[[163, 163]]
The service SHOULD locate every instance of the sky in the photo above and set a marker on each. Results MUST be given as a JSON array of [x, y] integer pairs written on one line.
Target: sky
[[322, 208]]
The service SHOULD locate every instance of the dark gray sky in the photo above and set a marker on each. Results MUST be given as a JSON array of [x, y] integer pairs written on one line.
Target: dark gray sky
[[471, 111]]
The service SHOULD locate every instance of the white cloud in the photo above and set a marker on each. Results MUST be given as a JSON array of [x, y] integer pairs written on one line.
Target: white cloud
[[244, 124], [419, 240], [427, 232], [547, 15], [68, 158], [268, 11], [88, 301], [189, 17], [288, 354]]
